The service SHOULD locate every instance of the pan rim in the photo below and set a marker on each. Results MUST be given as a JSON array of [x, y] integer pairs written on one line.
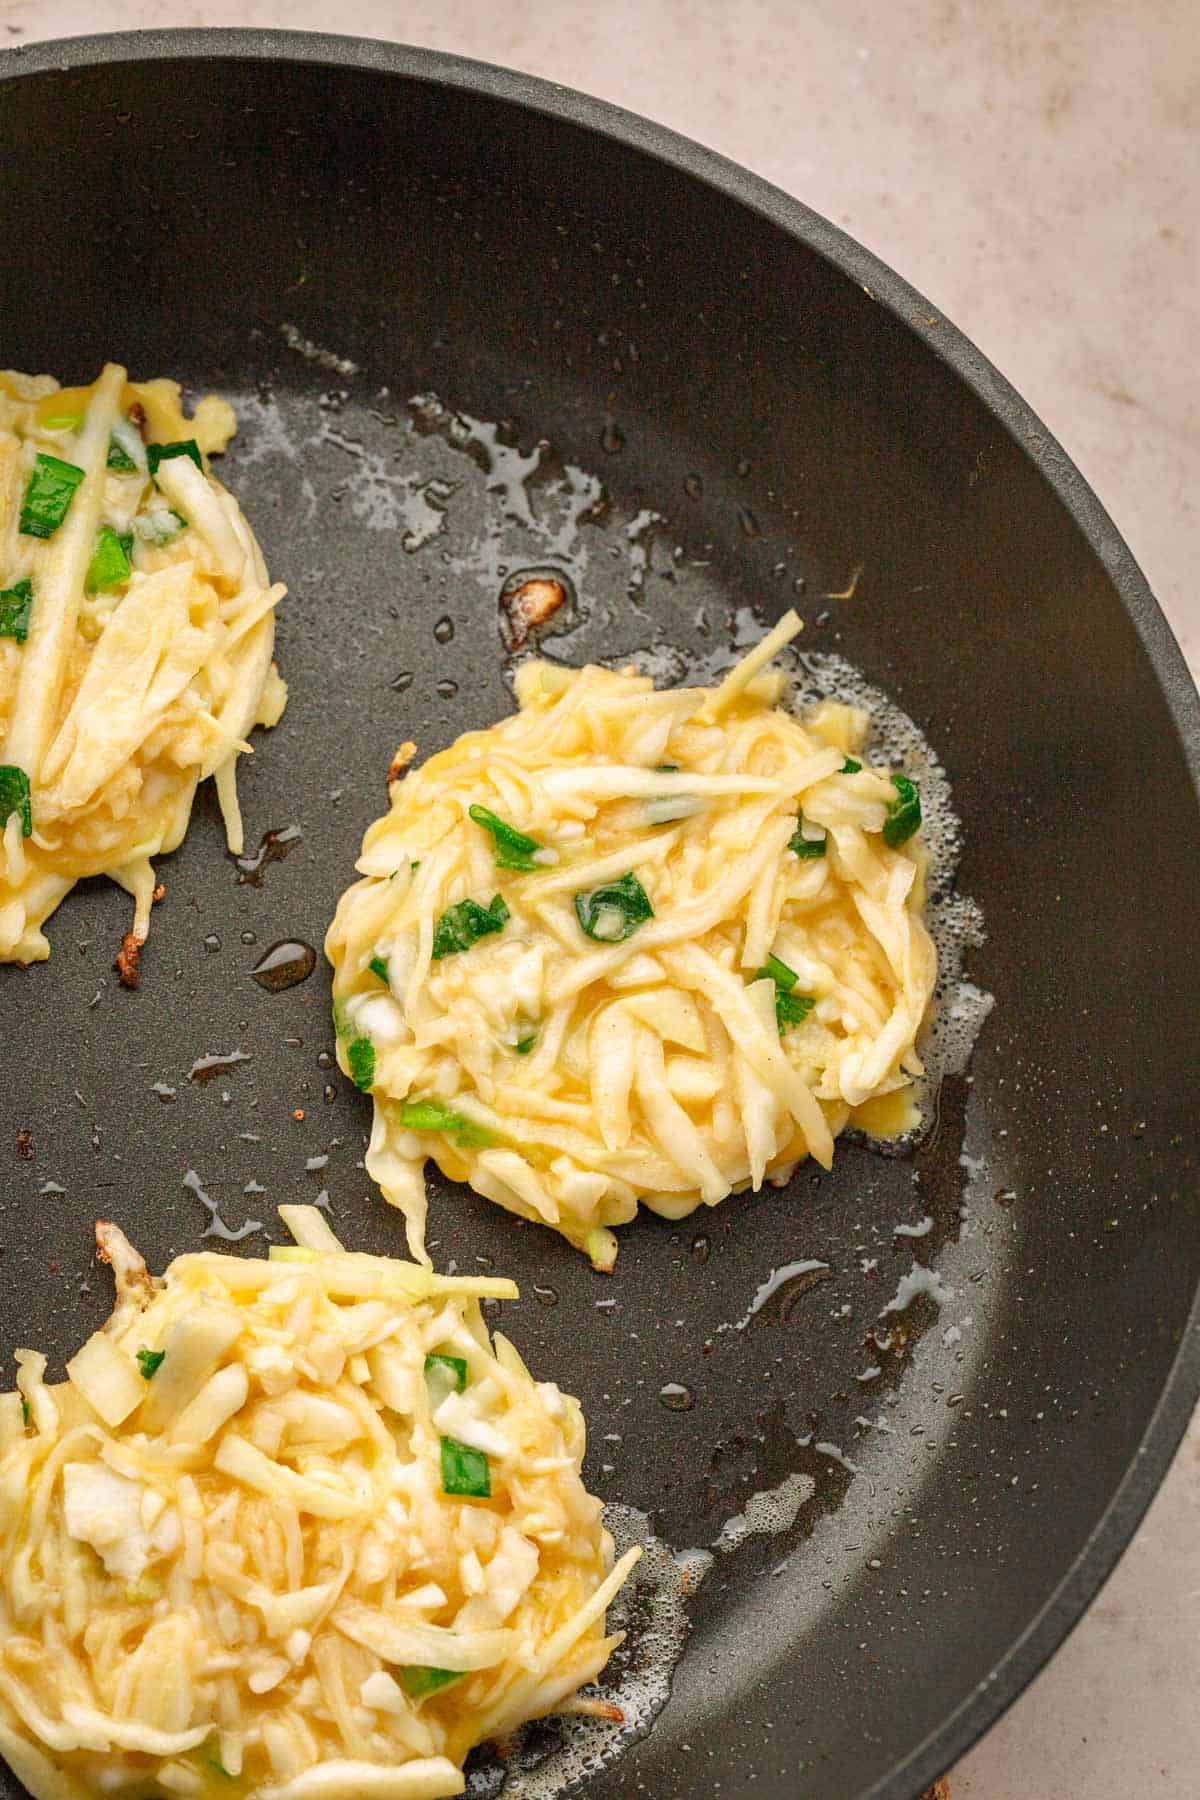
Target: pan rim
[[1181, 1390]]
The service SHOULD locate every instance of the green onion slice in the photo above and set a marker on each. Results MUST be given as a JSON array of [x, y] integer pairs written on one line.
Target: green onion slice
[[445, 1375], [14, 797], [48, 495], [612, 912], [161, 453], [511, 848], [807, 849], [378, 967], [16, 604], [110, 566], [464, 924], [360, 1054], [903, 813], [420, 1680], [432, 1115], [118, 458], [524, 1045], [465, 1471], [150, 1362], [851, 766], [790, 1009], [159, 525]]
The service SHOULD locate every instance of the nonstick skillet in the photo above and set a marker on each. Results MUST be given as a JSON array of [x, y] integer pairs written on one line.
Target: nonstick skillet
[[738, 409]]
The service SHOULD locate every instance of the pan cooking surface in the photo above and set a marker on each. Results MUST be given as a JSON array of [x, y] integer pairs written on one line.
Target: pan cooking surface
[[466, 340]]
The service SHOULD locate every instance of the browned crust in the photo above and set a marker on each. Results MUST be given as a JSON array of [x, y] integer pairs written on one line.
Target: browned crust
[[939, 1791], [399, 763], [526, 607], [128, 959]]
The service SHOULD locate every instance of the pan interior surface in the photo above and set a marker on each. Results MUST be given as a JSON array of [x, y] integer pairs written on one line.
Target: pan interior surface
[[466, 337]]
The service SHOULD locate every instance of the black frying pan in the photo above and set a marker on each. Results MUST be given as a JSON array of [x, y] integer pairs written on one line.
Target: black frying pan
[[719, 356]]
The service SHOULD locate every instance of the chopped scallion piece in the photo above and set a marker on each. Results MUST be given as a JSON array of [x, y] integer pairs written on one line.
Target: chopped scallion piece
[[378, 967], [14, 797], [778, 972], [360, 1054], [161, 453], [16, 604], [421, 1681], [511, 848], [432, 1115], [159, 525], [150, 1362], [26, 1415], [612, 912], [48, 495], [790, 1009], [463, 925], [524, 1045], [64, 421], [218, 1767], [903, 813], [118, 458], [110, 566], [449, 1373], [465, 1471], [851, 766], [804, 847], [666, 768]]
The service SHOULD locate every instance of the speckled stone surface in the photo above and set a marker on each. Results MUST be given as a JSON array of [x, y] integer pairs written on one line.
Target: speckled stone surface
[[1033, 166]]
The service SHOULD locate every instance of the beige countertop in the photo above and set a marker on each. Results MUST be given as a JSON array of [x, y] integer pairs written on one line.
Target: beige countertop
[[1033, 166]]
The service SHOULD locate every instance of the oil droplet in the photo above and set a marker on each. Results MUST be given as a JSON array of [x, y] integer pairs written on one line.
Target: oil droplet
[[284, 965], [701, 1249], [612, 438], [165, 1092], [274, 846], [800, 586], [693, 487], [324, 1060], [547, 1296], [401, 682], [248, 937], [675, 1397], [446, 690], [329, 1093], [743, 468], [1005, 1196], [443, 631], [749, 524]]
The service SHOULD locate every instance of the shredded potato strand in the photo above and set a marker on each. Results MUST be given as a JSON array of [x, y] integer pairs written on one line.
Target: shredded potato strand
[[571, 1077]]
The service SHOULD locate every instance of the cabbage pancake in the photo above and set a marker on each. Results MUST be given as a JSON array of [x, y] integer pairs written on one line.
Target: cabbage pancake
[[136, 633], [630, 946], [292, 1528]]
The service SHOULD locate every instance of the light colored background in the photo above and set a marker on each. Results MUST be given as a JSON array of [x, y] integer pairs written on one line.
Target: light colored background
[[1033, 166]]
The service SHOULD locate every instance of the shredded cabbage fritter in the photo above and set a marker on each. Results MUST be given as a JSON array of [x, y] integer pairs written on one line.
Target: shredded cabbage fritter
[[634, 946], [136, 634], [294, 1528]]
